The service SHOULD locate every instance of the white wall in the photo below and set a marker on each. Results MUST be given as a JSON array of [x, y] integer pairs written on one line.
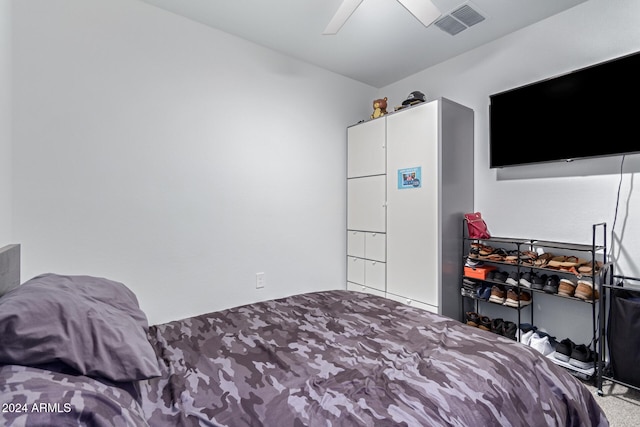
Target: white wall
[[175, 158], [5, 122], [553, 201]]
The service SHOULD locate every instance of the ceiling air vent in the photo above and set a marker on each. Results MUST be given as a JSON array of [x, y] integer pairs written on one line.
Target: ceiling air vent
[[449, 25], [460, 19]]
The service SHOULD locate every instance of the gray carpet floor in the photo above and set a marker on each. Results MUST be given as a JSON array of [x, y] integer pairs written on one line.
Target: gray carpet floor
[[620, 404]]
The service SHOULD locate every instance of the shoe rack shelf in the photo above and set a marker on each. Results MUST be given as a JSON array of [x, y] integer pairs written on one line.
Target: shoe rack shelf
[[583, 263]]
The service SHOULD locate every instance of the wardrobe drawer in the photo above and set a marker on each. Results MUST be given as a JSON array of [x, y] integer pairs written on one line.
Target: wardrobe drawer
[[355, 243], [375, 246], [361, 288], [413, 303], [375, 274], [355, 270]]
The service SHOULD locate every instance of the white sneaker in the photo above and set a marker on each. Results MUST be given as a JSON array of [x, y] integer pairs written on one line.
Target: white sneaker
[[525, 337], [541, 344]]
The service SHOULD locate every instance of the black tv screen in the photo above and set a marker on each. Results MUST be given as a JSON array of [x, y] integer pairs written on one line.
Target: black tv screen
[[590, 112]]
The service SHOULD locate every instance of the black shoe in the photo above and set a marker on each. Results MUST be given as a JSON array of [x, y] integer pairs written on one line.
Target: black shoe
[[538, 282], [509, 330], [564, 350], [582, 357], [551, 285], [513, 278], [496, 326], [500, 276], [526, 279], [485, 323]]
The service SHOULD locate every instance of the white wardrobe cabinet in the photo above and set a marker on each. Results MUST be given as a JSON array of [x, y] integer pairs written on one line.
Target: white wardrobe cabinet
[[416, 202]]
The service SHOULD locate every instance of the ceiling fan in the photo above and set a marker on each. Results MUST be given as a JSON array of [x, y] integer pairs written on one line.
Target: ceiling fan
[[424, 11]]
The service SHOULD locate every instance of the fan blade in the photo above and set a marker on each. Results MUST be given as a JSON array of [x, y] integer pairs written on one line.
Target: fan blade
[[343, 13], [424, 10]]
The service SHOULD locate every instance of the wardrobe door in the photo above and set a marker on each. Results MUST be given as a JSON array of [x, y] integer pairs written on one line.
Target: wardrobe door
[[413, 238], [366, 203], [366, 149]]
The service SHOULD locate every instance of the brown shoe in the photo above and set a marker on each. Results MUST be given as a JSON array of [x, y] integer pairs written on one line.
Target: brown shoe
[[473, 319], [497, 295], [513, 299], [585, 291], [525, 298], [485, 323], [517, 299], [566, 288]]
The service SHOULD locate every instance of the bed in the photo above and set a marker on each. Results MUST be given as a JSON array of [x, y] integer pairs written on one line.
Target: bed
[[76, 350]]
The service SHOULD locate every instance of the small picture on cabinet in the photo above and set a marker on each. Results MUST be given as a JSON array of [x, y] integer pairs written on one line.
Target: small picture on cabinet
[[409, 178]]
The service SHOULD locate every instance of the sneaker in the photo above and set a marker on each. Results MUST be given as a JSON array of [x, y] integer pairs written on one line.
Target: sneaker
[[538, 282], [473, 263], [564, 350], [483, 292], [497, 294], [551, 285], [513, 299], [582, 357], [500, 276], [566, 288], [525, 337], [509, 330], [525, 298], [541, 343], [513, 278], [496, 326], [526, 279]]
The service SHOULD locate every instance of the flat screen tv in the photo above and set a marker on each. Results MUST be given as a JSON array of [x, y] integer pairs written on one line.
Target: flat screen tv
[[591, 112]]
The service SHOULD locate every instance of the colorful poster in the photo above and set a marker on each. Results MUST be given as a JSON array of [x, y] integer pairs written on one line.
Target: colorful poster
[[410, 178]]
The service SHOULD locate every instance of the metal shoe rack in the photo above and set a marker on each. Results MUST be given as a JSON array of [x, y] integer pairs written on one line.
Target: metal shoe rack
[[597, 255], [608, 334]]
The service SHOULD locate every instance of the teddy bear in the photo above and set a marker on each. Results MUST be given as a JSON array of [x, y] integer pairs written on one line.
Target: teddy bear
[[379, 108]]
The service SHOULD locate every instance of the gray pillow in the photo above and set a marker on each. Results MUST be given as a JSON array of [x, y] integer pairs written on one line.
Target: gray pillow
[[93, 325]]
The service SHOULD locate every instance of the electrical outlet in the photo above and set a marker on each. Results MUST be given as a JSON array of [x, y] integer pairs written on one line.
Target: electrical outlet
[[260, 280]]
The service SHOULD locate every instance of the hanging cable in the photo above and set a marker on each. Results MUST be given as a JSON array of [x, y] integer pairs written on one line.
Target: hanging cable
[[615, 215]]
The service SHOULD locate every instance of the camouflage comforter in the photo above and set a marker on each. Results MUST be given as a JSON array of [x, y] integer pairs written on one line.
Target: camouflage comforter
[[333, 358]]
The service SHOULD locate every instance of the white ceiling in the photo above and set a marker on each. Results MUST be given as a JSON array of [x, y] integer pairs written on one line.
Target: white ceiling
[[381, 42]]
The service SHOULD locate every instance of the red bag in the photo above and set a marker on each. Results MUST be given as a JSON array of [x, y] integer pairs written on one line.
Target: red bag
[[476, 226]]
